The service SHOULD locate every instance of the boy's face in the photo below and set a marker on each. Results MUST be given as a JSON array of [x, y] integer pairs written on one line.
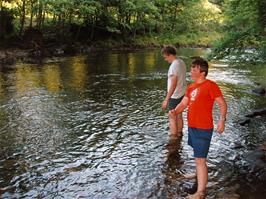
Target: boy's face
[[167, 58], [195, 72]]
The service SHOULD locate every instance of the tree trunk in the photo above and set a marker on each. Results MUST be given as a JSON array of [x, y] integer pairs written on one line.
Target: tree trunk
[[262, 13], [39, 17], [92, 29], [43, 19], [1, 18], [22, 19], [31, 13]]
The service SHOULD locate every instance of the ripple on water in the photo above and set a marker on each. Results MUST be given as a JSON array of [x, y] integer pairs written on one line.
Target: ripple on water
[[103, 134]]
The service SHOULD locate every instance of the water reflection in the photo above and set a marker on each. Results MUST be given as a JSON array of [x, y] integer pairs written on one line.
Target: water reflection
[[173, 165], [79, 73], [52, 78], [92, 127], [2, 86], [27, 78], [173, 159]]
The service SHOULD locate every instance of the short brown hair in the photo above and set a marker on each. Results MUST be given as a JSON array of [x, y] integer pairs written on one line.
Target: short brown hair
[[202, 63], [168, 50]]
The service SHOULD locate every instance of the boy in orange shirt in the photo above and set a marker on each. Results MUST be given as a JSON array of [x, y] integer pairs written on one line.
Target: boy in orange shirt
[[199, 98]]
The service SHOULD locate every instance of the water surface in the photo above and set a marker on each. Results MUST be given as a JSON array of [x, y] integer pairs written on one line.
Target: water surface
[[92, 127]]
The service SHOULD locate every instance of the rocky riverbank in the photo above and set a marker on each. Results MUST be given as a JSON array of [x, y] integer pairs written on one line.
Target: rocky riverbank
[[9, 56]]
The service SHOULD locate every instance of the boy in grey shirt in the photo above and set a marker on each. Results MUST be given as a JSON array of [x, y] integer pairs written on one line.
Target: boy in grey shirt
[[176, 86]]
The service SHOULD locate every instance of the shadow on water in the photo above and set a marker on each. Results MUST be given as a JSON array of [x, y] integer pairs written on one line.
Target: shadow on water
[[92, 127]]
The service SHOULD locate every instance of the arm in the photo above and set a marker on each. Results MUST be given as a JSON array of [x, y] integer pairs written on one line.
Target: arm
[[173, 79], [223, 111]]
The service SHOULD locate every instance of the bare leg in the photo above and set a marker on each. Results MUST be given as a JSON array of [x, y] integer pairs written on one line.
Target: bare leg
[[202, 174], [173, 124], [202, 178], [180, 124]]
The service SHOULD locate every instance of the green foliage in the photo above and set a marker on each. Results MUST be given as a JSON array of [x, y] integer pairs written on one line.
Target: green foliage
[[198, 18], [218, 2], [245, 29], [6, 22], [196, 39], [179, 21]]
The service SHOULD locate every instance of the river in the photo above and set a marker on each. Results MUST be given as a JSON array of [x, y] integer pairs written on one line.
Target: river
[[91, 126]]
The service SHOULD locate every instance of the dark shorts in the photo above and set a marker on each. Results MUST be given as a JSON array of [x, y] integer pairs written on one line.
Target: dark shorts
[[199, 140], [174, 102]]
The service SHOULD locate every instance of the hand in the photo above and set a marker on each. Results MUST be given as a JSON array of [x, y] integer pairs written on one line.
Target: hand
[[221, 126], [164, 104], [172, 113]]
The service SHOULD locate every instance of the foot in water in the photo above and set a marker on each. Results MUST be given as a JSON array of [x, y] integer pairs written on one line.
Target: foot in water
[[197, 195]]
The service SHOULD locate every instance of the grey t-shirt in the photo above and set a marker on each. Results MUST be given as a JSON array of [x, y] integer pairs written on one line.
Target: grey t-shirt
[[178, 68]]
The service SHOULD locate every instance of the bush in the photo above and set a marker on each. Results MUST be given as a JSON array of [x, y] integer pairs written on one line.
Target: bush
[[6, 23]]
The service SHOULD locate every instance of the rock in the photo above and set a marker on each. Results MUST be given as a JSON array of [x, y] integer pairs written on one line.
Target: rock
[[35, 53], [256, 160], [259, 90], [236, 145], [58, 52], [259, 112], [7, 61], [244, 121], [189, 187], [30, 60]]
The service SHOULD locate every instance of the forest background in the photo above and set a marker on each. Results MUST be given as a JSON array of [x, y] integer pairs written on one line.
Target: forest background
[[230, 27]]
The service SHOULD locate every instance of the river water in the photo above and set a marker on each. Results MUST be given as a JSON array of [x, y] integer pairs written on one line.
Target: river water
[[91, 126]]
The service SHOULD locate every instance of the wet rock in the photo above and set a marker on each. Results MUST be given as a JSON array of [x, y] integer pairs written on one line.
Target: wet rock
[[259, 112], [257, 161], [7, 59], [244, 121], [58, 52], [30, 60], [85, 49], [189, 187], [52, 60], [35, 53], [229, 192], [259, 90], [247, 118], [236, 145]]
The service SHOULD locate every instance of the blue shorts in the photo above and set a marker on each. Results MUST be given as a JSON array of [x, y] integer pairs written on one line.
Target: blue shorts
[[199, 140], [174, 102]]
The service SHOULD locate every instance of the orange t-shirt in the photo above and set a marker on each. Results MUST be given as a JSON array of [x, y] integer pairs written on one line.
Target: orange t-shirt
[[201, 99]]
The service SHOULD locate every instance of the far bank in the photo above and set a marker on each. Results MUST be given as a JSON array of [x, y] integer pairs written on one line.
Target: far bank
[[34, 49]]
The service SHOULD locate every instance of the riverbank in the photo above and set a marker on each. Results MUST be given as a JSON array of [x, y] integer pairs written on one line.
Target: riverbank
[[33, 51], [9, 56]]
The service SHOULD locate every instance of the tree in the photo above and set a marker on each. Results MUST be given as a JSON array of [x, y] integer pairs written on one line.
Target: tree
[[245, 28], [6, 20]]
